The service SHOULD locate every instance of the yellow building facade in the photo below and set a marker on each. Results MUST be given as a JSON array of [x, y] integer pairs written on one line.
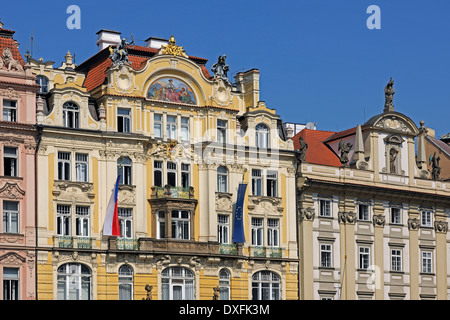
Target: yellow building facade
[[182, 140]]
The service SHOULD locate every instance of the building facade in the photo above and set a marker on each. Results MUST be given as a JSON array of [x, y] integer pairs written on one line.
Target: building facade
[[372, 219], [18, 141], [181, 140]]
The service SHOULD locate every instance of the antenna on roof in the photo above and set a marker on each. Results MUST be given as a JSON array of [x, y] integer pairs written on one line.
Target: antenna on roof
[[32, 42]]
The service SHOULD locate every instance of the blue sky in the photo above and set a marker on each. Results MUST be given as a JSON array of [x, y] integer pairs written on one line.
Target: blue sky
[[318, 60]]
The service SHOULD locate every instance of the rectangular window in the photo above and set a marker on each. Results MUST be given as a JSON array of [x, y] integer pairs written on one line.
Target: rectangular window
[[172, 174], [427, 262], [256, 182], [222, 126], [123, 120], [396, 260], [82, 221], [325, 256], [271, 184], [161, 226], [181, 224], [63, 165], [396, 215], [171, 127], [126, 222], [185, 175], [257, 232], [10, 167], [363, 212], [63, 225], [157, 125], [426, 218], [364, 258], [273, 233], [81, 167], [325, 208], [10, 217], [9, 110], [184, 129], [158, 174], [223, 228], [10, 283]]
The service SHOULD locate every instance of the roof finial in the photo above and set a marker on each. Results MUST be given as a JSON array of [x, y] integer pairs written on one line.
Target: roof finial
[[389, 96]]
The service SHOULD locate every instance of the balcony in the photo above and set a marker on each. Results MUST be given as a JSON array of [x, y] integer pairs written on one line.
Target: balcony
[[266, 252], [229, 248], [172, 192], [72, 242]]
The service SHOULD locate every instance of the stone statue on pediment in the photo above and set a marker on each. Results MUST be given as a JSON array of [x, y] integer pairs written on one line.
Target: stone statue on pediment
[[435, 168], [345, 149], [220, 69], [389, 96], [119, 55]]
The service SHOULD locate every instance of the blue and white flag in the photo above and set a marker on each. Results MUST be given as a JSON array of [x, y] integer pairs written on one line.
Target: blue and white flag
[[238, 230]]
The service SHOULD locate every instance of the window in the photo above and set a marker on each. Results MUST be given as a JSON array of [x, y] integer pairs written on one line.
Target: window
[[63, 225], [325, 208], [63, 165], [256, 182], [224, 284], [325, 256], [70, 115], [171, 127], [396, 215], [425, 218], [222, 179], [10, 217], [363, 212], [222, 126], [272, 184], [9, 110], [257, 231], [172, 174], [10, 283], [124, 169], [427, 266], [177, 284], [273, 233], [262, 136], [265, 286], [161, 226], [123, 120], [81, 167], [158, 174], [74, 282], [185, 180], [126, 222], [42, 82], [181, 224], [157, 125], [223, 228], [10, 167], [82, 221], [184, 129], [364, 258], [125, 283], [396, 260]]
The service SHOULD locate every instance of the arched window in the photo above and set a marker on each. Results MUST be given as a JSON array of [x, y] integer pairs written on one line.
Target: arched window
[[74, 282], [224, 284], [265, 286], [125, 283], [124, 169], [42, 82], [71, 115], [177, 284], [222, 179], [262, 136]]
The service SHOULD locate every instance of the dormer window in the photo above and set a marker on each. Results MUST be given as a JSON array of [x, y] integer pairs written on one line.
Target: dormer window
[[123, 120], [71, 115], [262, 136], [42, 82]]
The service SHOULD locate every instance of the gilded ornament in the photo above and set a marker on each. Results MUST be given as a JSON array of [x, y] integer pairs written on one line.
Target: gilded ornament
[[172, 49]]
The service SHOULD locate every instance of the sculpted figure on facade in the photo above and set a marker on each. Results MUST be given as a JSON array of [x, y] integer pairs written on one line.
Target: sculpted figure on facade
[[220, 69], [8, 62], [435, 168], [389, 96], [345, 149], [301, 154], [119, 55]]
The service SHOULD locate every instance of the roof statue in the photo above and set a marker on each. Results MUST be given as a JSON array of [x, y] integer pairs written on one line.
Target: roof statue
[[220, 69], [172, 48], [345, 149], [119, 55], [435, 168], [389, 96]]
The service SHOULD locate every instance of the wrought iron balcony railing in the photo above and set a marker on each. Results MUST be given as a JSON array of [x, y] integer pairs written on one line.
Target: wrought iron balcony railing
[[127, 244], [173, 192], [228, 248]]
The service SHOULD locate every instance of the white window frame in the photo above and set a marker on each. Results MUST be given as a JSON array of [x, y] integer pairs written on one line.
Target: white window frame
[[64, 165], [125, 282], [158, 168], [222, 127], [184, 132], [326, 255], [161, 225], [13, 162], [266, 284], [222, 179], [73, 279], [364, 257], [125, 169], [63, 219], [71, 113], [363, 212], [171, 127], [325, 208], [179, 278], [223, 226], [426, 218], [181, 225], [11, 217], [172, 169], [42, 84], [272, 184], [185, 175], [427, 261], [126, 222], [82, 167], [257, 226], [262, 135], [124, 117], [10, 110], [273, 232], [393, 216], [257, 182], [396, 260], [82, 221], [224, 284], [11, 280], [158, 125]]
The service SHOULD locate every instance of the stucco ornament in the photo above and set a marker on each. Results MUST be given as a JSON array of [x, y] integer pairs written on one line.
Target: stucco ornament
[[8, 62], [172, 49]]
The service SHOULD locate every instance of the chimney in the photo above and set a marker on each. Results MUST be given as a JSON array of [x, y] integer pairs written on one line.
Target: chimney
[[107, 38], [155, 43]]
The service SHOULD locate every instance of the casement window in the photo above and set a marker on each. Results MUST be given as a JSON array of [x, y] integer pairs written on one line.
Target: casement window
[[172, 174], [126, 222], [266, 286], [426, 217], [63, 220], [177, 283], [184, 129], [396, 260], [222, 179], [363, 212], [124, 169], [222, 126], [427, 262], [181, 224], [74, 282], [257, 232], [325, 208], [223, 232], [42, 82], [82, 219], [10, 283], [326, 256], [123, 120], [271, 184], [10, 162], [185, 175], [71, 113], [10, 217], [273, 232], [262, 136], [157, 126], [158, 174], [81, 167], [10, 110], [256, 182], [396, 215], [171, 127], [64, 165], [224, 284], [364, 258], [125, 282], [161, 225]]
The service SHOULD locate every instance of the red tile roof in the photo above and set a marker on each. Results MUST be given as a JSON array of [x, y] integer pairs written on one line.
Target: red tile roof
[[318, 152], [7, 41]]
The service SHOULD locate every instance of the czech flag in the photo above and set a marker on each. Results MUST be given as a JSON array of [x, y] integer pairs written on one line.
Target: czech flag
[[111, 225]]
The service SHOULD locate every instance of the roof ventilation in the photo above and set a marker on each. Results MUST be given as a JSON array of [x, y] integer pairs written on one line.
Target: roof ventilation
[[155, 43], [107, 38]]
